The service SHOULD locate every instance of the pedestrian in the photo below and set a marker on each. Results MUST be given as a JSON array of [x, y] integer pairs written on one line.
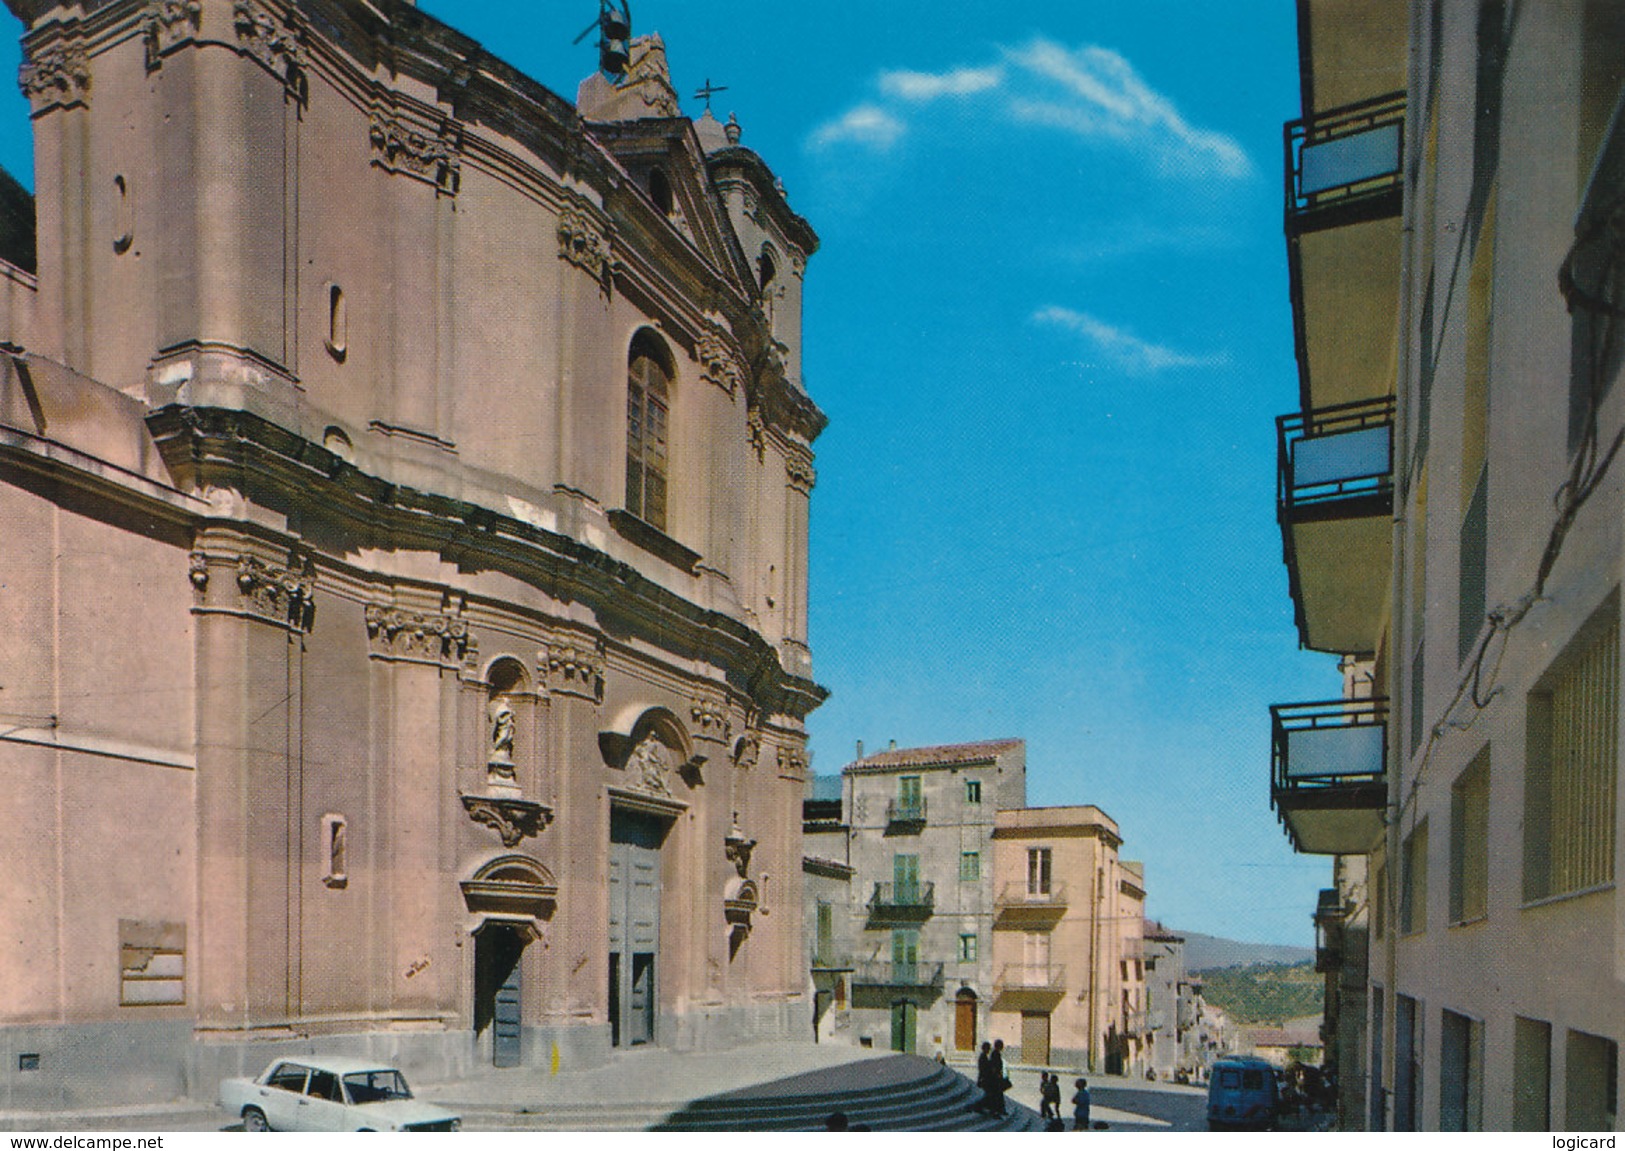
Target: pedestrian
[[997, 1077], [1043, 1095], [984, 1078], [1049, 1093], [1080, 1107]]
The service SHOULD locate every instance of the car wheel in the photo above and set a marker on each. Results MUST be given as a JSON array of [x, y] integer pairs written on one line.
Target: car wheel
[[254, 1120]]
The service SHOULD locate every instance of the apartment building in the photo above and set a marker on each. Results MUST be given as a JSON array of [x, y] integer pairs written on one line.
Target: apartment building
[[1450, 504]]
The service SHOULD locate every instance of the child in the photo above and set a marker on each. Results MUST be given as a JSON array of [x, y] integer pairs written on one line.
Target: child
[[1080, 1107]]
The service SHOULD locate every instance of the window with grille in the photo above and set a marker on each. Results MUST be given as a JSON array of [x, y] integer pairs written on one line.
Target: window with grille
[[1573, 769], [648, 411], [1470, 841]]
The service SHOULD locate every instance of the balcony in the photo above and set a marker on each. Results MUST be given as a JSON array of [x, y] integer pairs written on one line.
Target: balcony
[[1343, 195], [905, 815], [1328, 781], [1334, 502], [1016, 907], [902, 901], [1029, 987], [910, 976]]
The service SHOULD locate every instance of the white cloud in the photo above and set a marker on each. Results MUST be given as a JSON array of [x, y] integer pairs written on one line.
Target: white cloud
[[922, 86], [1122, 349], [1096, 92], [868, 124]]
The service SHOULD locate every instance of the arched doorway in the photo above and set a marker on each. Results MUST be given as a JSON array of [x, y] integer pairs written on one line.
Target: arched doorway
[[965, 1020], [497, 993]]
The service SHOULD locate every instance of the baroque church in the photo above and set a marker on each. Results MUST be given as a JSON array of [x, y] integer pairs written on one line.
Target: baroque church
[[404, 477]]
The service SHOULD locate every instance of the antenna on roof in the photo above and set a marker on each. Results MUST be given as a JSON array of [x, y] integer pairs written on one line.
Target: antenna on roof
[[614, 25]]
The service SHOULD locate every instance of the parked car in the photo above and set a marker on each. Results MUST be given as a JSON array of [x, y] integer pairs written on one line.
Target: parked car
[[313, 1093], [1242, 1092]]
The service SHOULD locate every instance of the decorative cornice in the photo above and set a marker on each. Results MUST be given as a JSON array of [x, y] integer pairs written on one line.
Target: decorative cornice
[[170, 23], [574, 668], [584, 242], [264, 38], [56, 77], [512, 819], [423, 636], [433, 158]]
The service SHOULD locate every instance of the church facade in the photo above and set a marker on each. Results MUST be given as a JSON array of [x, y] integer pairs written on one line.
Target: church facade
[[405, 477]]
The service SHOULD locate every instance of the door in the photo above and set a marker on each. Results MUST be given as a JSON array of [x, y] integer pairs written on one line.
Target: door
[[634, 926], [905, 954], [1035, 959], [497, 1000], [1035, 1037], [965, 1022], [903, 1017]]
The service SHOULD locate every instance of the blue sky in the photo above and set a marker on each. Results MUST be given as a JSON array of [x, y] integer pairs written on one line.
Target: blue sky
[[1049, 324]]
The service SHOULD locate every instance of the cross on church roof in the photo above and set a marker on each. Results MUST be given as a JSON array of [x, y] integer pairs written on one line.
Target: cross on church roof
[[708, 91]]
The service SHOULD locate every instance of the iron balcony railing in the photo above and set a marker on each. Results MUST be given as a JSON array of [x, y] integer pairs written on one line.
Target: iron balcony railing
[[1030, 977], [1330, 744], [1014, 896], [880, 973], [903, 898], [1336, 461], [1345, 164], [831, 960], [901, 812]]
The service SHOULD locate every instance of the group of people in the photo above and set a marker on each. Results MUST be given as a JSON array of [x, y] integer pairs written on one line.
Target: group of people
[[993, 1081]]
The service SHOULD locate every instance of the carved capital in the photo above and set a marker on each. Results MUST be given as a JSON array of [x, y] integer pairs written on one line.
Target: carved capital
[[720, 363], [512, 819], [574, 669], [434, 158], [277, 593], [424, 636], [711, 720], [584, 242], [268, 40], [169, 24], [57, 76], [798, 471], [792, 762], [747, 750]]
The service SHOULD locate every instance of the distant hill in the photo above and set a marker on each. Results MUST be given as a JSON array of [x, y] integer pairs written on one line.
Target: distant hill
[[1208, 952], [1271, 993]]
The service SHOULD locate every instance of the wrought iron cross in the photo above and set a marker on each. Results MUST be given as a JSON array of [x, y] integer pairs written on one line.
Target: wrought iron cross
[[708, 91]]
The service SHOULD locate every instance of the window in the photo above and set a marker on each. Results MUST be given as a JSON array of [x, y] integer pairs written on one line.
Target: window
[[1461, 1073], [973, 791], [906, 878], [1474, 540], [289, 1077], [1592, 1083], [1038, 871], [1573, 768], [1379, 902], [824, 956], [967, 947], [335, 836], [1470, 841], [660, 191], [1413, 893], [648, 410], [910, 800], [1531, 1075], [970, 865]]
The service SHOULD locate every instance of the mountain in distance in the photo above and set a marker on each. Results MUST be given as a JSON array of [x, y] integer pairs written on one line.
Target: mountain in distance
[[1211, 952]]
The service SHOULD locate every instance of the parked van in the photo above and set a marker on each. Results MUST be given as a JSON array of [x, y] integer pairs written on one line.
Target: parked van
[[1242, 1092]]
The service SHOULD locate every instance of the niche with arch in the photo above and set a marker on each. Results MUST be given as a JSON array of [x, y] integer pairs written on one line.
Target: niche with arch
[[507, 707]]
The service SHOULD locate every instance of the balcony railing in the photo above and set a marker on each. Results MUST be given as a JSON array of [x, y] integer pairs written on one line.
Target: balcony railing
[[1336, 461], [905, 813], [878, 973], [1328, 773], [903, 899], [1015, 896], [1345, 164], [830, 960], [1040, 977]]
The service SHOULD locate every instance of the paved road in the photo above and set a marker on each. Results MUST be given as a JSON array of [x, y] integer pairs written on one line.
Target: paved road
[[1179, 1110]]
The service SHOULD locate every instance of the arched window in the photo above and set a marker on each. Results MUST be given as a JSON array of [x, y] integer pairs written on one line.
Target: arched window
[[648, 408]]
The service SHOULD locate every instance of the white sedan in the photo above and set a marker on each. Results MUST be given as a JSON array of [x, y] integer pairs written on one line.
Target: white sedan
[[312, 1093]]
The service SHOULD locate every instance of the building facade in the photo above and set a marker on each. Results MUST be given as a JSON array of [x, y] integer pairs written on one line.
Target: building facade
[[921, 824], [1066, 940], [827, 917], [1451, 504], [405, 477]]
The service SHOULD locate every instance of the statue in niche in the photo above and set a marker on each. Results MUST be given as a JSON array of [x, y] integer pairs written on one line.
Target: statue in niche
[[651, 759], [502, 725]]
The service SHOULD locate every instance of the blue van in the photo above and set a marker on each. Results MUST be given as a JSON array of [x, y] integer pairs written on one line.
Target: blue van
[[1242, 1092]]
